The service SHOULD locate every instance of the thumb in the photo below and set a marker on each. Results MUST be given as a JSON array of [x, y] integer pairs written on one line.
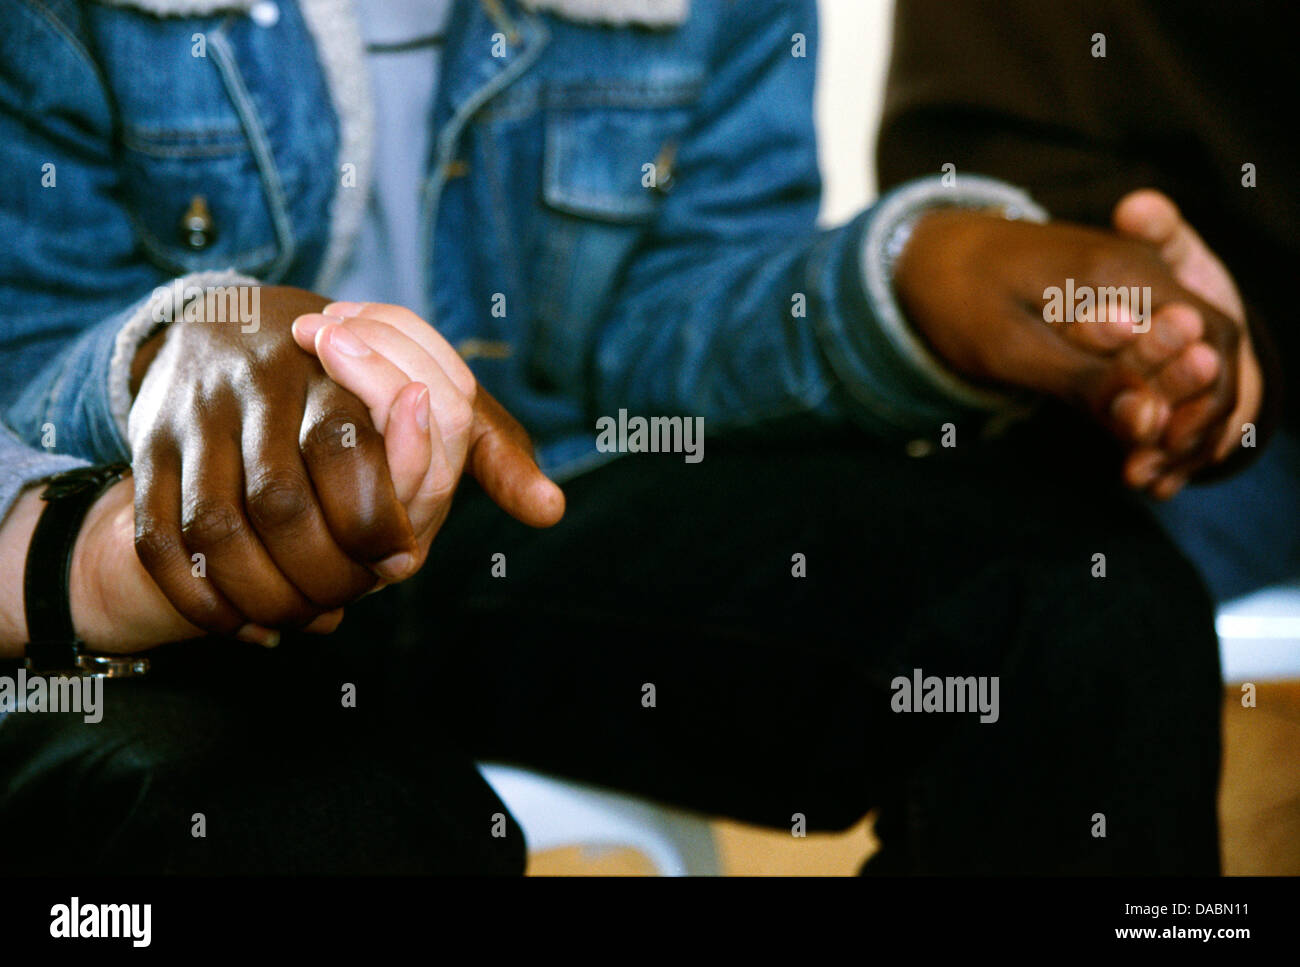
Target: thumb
[[501, 459], [1151, 216]]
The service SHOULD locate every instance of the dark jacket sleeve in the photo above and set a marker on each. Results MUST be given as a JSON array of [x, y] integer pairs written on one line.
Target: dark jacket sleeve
[[1016, 90]]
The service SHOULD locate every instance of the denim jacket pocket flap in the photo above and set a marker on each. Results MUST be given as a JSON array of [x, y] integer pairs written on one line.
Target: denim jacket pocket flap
[[197, 200], [605, 160]]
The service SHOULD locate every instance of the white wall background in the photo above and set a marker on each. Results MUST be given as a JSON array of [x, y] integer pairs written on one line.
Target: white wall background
[[852, 60]]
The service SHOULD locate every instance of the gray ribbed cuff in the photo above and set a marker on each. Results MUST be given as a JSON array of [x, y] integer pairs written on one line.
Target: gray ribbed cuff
[[22, 466]]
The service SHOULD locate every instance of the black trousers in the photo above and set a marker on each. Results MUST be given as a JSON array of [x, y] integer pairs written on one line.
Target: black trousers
[[723, 636]]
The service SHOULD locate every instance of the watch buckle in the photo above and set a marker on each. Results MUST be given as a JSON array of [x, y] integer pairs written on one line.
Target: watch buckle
[[97, 666]]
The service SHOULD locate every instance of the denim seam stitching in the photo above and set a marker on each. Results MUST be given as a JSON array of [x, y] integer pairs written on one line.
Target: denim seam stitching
[[39, 8], [267, 168]]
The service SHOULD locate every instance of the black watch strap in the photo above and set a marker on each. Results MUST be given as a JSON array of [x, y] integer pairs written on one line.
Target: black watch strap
[[53, 645]]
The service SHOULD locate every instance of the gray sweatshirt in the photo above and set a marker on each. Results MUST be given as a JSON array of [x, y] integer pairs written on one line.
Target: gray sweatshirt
[[21, 466]]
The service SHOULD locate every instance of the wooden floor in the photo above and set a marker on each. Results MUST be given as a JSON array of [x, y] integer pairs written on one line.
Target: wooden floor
[[1259, 801], [1259, 810]]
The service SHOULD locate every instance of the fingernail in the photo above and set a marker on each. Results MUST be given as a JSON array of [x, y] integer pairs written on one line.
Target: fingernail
[[311, 323], [422, 410], [348, 344], [257, 635], [395, 568], [344, 309]]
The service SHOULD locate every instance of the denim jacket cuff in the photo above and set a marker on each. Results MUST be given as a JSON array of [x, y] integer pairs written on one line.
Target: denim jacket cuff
[[165, 303], [887, 234], [67, 406]]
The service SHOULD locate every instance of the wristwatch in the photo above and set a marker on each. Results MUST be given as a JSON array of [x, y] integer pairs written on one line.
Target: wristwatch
[[53, 647]]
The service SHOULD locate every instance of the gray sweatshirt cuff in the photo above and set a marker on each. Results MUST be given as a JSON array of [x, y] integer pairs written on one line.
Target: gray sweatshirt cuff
[[21, 466]]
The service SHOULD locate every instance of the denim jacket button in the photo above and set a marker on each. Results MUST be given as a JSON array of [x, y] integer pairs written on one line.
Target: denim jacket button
[[665, 173], [265, 13], [196, 228]]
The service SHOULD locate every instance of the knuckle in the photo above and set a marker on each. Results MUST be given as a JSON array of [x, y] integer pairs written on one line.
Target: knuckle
[[154, 546], [337, 434], [458, 417], [442, 484], [1106, 263], [211, 523], [1149, 353], [463, 378], [278, 499]]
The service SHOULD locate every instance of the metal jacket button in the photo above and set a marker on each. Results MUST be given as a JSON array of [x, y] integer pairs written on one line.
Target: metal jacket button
[[197, 229], [265, 13], [664, 167]]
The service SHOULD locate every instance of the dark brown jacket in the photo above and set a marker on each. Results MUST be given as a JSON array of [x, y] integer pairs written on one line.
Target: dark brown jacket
[[1188, 92]]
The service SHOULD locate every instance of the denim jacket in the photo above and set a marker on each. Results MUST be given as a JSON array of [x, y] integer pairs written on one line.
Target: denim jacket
[[619, 210]]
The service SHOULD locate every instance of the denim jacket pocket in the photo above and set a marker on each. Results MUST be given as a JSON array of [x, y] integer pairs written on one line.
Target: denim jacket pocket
[[606, 166], [197, 201]]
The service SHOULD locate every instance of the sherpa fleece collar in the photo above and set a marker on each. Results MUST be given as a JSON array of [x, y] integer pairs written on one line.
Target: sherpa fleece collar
[[182, 8], [645, 13]]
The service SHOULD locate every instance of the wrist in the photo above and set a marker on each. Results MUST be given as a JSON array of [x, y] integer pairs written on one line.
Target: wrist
[[918, 307], [95, 567], [15, 537], [116, 606], [90, 571]]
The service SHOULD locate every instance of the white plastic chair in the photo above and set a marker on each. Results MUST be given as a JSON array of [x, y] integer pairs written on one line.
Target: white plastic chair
[[555, 813], [1259, 635]]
